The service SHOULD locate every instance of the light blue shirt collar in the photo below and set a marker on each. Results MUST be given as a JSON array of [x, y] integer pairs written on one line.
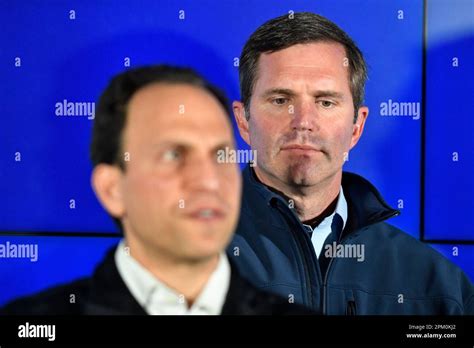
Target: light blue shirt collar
[[322, 231]]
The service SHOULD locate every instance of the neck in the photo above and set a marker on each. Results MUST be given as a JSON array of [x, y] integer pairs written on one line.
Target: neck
[[312, 203], [186, 276]]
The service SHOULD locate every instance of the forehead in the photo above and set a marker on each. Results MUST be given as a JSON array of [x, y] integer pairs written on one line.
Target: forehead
[[163, 111], [321, 61]]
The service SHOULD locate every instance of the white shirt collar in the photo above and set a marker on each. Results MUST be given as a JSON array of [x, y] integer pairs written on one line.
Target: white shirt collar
[[157, 298]]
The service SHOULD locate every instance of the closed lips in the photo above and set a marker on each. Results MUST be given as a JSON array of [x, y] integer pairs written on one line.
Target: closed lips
[[299, 147], [206, 213]]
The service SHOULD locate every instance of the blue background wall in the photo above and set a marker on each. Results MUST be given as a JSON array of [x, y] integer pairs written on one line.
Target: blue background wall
[[61, 57]]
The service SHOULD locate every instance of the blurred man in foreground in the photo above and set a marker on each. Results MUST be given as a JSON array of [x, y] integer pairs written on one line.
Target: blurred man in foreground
[[156, 134]]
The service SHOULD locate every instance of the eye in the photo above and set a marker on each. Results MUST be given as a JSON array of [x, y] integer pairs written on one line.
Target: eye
[[279, 101], [327, 104], [171, 155]]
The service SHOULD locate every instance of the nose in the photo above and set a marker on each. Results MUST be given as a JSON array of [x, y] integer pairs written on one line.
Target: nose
[[202, 174], [303, 117]]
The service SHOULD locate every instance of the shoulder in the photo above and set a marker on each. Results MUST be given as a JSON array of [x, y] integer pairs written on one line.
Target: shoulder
[[57, 300], [416, 263], [389, 240], [389, 236]]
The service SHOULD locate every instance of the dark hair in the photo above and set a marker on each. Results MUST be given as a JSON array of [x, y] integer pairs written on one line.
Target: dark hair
[[299, 28], [110, 117], [111, 113]]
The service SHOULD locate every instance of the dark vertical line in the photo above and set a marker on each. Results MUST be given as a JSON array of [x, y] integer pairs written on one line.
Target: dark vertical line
[[423, 122]]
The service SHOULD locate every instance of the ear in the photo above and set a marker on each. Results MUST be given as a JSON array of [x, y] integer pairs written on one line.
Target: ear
[[241, 120], [106, 182], [358, 127]]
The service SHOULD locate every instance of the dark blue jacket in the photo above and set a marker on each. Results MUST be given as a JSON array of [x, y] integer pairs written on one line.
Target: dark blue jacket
[[399, 274]]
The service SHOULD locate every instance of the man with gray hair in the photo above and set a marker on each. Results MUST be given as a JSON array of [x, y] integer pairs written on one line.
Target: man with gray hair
[[308, 230]]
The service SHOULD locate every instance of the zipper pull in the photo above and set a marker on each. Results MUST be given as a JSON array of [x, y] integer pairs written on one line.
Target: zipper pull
[[351, 308]]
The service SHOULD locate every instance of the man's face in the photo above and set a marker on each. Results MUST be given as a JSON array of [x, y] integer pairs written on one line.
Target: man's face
[[301, 114], [177, 200]]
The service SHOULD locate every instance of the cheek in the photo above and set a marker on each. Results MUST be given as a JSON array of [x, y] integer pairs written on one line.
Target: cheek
[[150, 194], [341, 139], [263, 135], [348, 136], [232, 186]]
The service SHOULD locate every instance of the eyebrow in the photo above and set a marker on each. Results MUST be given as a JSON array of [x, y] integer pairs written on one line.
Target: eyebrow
[[223, 145], [283, 91], [189, 146], [291, 93], [328, 93]]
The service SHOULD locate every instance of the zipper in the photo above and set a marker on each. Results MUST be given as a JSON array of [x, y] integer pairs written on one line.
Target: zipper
[[342, 242]]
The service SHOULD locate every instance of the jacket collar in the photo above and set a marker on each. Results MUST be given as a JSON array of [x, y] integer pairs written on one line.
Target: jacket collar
[[365, 204], [108, 294]]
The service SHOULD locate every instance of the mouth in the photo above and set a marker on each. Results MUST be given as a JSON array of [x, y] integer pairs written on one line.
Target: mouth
[[206, 214], [300, 148]]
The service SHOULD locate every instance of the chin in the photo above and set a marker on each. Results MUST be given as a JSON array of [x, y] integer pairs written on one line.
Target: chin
[[205, 240], [206, 245], [309, 172], [202, 253], [301, 177]]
